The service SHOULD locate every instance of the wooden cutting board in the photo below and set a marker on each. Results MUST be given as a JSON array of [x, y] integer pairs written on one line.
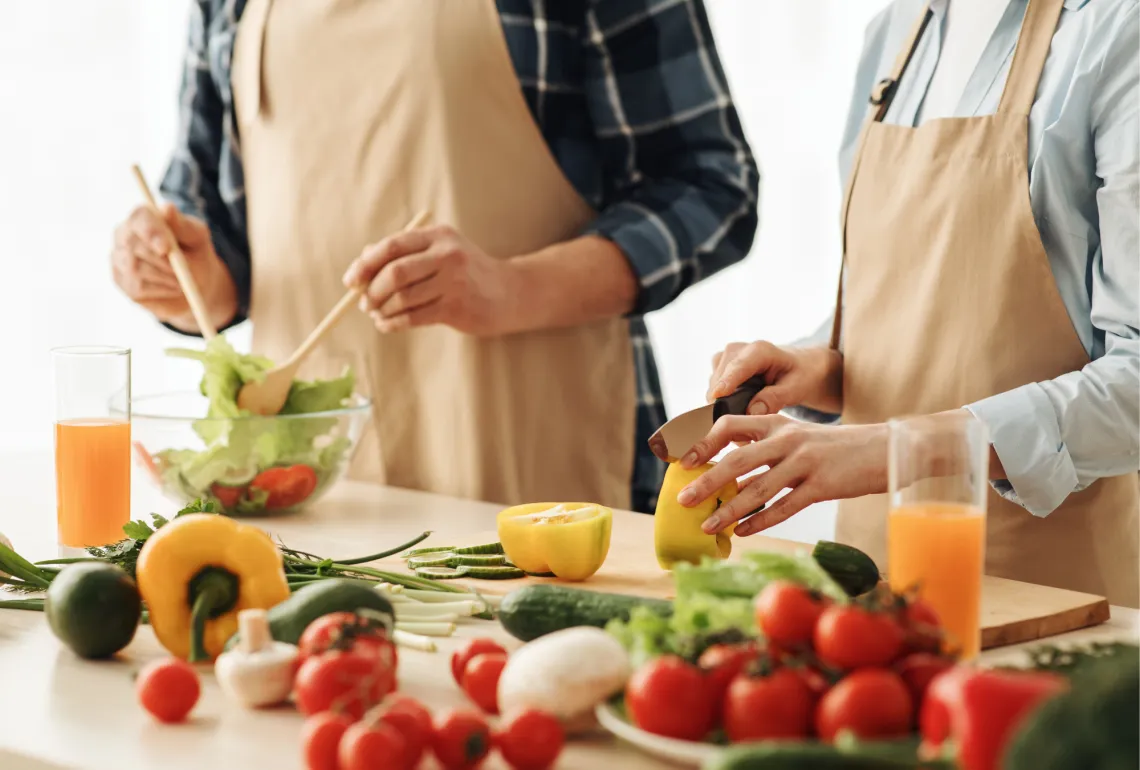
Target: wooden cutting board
[[1012, 612]]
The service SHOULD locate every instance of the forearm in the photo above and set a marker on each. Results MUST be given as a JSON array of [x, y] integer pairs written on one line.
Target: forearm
[[826, 372], [576, 282]]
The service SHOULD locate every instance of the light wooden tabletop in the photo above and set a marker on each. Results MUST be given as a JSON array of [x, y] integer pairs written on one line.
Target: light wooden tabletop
[[63, 713]]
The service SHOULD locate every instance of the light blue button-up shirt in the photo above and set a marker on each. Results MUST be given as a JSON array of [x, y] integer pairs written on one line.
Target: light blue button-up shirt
[[1059, 436]]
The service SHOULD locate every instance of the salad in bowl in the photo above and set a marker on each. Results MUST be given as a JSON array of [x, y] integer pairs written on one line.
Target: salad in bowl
[[202, 445]]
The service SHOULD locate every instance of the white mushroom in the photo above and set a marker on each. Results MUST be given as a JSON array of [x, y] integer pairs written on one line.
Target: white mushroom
[[566, 674], [258, 671]]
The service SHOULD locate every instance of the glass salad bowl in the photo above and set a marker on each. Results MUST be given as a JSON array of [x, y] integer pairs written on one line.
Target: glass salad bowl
[[248, 465]]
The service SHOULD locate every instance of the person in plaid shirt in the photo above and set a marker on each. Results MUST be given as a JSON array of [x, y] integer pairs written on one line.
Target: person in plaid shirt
[[633, 104]]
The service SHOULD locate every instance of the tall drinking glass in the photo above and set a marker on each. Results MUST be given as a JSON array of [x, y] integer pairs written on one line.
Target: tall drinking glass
[[936, 528], [92, 444]]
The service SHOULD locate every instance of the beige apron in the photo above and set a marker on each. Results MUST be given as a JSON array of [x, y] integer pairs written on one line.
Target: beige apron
[[949, 298], [355, 115]]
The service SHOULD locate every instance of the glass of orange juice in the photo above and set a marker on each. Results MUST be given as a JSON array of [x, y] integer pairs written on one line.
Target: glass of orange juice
[[92, 444], [936, 527]]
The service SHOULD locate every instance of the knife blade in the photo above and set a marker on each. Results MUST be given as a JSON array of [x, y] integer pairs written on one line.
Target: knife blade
[[676, 437]]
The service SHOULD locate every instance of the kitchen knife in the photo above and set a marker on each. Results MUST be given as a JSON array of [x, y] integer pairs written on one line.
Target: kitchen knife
[[676, 437]]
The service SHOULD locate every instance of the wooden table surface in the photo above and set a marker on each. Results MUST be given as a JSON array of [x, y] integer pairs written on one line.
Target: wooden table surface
[[64, 713]]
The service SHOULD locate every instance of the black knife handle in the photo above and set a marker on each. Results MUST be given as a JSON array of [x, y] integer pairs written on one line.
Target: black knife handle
[[737, 402]]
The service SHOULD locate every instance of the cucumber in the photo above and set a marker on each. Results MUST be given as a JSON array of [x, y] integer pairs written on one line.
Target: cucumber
[[852, 569], [441, 559], [289, 619], [93, 608], [488, 548], [533, 611], [493, 560], [425, 551], [441, 573], [793, 755], [501, 572]]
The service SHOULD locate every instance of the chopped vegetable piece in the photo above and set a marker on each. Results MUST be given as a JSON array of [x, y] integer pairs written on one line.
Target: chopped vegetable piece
[[441, 573], [677, 533], [441, 559], [570, 540], [486, 548]]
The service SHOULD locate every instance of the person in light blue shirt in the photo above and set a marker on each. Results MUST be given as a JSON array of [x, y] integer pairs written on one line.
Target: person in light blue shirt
[[1056, 439]]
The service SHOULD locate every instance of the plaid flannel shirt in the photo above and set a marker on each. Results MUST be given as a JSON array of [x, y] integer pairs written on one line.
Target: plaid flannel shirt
[[632, 101]]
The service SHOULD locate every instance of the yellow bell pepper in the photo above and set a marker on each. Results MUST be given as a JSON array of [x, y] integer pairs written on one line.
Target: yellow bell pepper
[[197, 572], [568, 540], [677, 533]]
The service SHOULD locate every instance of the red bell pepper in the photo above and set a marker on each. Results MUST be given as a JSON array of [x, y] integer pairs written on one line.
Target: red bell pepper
[[980, 711]]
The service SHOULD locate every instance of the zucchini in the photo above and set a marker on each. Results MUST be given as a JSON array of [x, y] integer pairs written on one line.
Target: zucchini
[[93, 608], [289, 619], [852, 569], [536, 610]]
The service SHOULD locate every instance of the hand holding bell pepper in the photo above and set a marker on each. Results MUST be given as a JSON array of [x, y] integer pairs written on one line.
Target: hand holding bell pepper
[[677, 532], [980, 711], [197, 572]]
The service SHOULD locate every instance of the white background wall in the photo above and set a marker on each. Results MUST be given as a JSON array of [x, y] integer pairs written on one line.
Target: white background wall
[[87, 88]]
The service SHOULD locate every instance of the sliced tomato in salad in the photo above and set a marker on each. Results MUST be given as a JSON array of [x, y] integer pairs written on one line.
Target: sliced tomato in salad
[[228, 496], [286, 487]]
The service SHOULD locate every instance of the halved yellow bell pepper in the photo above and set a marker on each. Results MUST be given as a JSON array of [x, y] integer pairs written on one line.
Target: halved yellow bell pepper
[[677, 533], [568, 540], [197, 572]]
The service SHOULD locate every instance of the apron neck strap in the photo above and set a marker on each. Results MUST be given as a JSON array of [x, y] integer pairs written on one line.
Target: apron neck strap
[[1033, 43], [884, 91]]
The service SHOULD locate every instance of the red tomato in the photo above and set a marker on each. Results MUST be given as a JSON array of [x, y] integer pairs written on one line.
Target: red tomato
[[369, 745], [347, 630], [229, 497], [669, 697], [462, 740], [348, 680], [412, 721], [848, 637], [816, 682], [530, 740], [168, 689], [286, 486], [787, 614], [872, 703], [923, 627], [778, 705], [320, 740], [721, 663], [918, 669], [469, 650], [481, 680]]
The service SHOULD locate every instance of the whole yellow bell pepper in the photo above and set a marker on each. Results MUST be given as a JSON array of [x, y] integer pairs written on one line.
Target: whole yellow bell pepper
[[197, 572], [677, 533], [568, 540]]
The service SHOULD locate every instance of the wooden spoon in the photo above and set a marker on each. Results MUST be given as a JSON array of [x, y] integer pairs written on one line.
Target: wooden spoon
[[178, 262], [268, 396]]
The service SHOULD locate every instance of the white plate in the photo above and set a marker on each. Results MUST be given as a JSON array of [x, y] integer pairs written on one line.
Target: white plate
[[686, 753]]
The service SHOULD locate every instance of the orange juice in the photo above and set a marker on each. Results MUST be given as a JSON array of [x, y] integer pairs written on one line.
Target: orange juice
[[939, 548], [93, 480]]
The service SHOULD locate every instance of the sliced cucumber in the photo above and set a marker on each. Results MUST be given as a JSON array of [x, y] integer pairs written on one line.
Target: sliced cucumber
[[423, 551], [442, 559], [488, 560], [493, 573], [237, 477], [488, 548], [442, 573]]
